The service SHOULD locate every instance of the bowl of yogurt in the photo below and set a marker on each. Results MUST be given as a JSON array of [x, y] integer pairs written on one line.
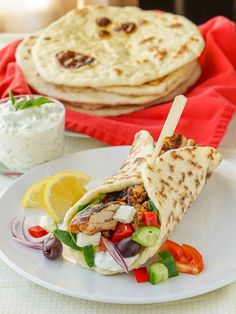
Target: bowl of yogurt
[[31, 131]]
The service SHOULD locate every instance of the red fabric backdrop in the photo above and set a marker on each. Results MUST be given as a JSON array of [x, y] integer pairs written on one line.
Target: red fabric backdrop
[[210, 107]]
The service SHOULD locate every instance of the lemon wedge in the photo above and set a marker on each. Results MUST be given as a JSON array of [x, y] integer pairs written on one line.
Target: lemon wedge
[[62, 191], [33, 197]]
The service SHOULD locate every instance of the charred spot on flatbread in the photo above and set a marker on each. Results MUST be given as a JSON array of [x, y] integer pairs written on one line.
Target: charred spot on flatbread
[[103, 21], [73, 60], [182, 50], [158, 52], [118, 71], [172, 168], [146, 40], [175, 25], [197, 183], [194, 38], [127, 28], [103, 34], [175, 155]]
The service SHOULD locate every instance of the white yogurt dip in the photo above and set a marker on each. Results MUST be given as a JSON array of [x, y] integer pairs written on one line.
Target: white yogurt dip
[[104, 260], [31, 136]]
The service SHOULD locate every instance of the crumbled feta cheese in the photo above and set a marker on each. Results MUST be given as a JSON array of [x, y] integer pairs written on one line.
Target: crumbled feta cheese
[[125, 214], [83, 239]]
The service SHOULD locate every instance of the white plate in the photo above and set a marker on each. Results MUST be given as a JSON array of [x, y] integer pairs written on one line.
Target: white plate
[[209, 226]]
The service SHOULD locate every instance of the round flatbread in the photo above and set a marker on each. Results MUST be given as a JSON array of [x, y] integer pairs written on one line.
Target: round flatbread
[[109, 111], [92, 98], [83, 95], [101, 46], [156, 87]]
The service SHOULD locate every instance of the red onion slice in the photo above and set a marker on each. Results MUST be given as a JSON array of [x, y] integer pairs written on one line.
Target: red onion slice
[[14, 223], [115, 253], [37, 246]]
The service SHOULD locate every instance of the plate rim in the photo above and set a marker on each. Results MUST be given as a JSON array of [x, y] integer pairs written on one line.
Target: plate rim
[[118, 300]]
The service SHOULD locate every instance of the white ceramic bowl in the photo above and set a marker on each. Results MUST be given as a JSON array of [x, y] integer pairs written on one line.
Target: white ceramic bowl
[[31, 136]]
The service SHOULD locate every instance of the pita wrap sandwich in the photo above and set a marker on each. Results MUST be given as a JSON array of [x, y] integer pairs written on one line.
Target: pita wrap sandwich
[[112, 215]]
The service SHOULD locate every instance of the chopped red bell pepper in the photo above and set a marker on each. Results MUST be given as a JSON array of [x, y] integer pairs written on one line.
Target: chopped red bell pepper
[[37, 231], [141, 274], [150, 219], [122, 231], [188, 259]]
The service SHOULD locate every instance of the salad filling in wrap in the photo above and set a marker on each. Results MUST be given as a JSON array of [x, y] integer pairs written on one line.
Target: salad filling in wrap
[[128, 217]]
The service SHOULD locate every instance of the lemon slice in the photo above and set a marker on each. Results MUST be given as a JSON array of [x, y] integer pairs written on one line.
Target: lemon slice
[[33, 197], [62, 191]]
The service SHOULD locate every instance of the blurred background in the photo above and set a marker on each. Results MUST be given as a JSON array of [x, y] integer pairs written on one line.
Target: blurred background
[[23, 16]]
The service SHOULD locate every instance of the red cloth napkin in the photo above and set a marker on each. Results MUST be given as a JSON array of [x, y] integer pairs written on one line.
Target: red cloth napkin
[[210, 107]]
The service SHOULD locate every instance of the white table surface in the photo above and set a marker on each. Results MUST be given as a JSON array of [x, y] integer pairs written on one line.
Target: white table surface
[[18, 295]]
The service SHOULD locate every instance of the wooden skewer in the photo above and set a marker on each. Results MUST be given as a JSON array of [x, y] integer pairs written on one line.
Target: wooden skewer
[[80, 4], [170, 123]]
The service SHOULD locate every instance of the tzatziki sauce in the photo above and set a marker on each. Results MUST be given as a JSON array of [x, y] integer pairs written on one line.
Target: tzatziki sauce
[[104, 260], [31, 136]]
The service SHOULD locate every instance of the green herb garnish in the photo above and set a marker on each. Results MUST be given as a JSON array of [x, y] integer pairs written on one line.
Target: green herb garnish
[[27, 103], [73, 237], [81, 207], [67, 238], [12, 97], [88, 252]]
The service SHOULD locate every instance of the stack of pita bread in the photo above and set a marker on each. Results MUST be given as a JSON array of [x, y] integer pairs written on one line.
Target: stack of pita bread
[[110, 61]]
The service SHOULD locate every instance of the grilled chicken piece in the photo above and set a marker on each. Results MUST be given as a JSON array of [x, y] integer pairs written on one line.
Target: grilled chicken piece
[[119, 196], [136, 195], [138, 218], [107, 234], [99, 218], [176, 141], [95, 218]]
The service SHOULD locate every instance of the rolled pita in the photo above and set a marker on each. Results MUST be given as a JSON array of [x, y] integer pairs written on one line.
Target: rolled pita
[[172, 181]]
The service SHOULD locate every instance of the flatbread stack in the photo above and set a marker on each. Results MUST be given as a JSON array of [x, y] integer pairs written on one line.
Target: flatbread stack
[[110, 61]]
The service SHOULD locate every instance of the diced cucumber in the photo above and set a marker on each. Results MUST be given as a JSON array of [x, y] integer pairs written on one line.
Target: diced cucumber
[[158, 272], [51, 227], [146, 236], [168, 260], [89, 255]]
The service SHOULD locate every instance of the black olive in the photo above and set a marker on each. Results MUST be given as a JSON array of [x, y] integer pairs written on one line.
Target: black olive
[[52, 248], [128, 247]]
